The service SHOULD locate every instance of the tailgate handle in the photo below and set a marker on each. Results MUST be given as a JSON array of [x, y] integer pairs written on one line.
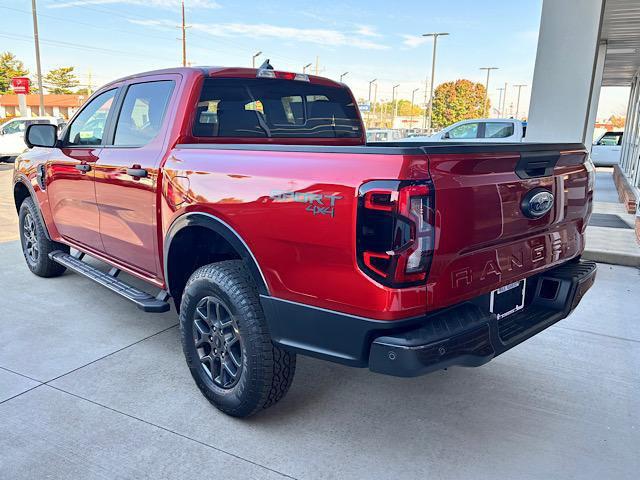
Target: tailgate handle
[[537, 164]]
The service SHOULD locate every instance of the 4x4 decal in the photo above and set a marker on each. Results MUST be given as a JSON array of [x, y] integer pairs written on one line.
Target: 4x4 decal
[[317, 203]]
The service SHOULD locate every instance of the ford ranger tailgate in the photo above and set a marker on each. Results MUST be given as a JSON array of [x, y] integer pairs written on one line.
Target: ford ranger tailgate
[[492, 227]]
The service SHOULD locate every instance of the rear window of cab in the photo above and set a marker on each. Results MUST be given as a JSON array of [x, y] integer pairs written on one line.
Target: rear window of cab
[[274, 108]]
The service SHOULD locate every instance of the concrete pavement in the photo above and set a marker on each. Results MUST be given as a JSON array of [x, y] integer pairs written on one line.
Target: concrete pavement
[[617, 246], [90, 387]]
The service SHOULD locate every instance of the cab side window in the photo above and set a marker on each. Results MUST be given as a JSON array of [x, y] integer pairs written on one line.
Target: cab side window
[[611, 139], [143, 110], [88, 126], [467, 130], [498, 129], [14, 127]]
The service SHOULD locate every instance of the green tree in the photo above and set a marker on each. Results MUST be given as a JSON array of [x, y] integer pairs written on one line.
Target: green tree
[[10, 67], [459, 100], [405, 109], [618, 121], [61, 80]]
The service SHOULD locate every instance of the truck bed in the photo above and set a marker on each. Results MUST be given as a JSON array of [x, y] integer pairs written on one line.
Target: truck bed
[[482, 238]]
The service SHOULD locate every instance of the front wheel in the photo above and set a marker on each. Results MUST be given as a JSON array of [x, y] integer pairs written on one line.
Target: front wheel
[[227, 344], [35, 244]]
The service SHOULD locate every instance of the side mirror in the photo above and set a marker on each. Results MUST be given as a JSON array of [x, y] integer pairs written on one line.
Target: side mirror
[[41, 135], [446, 135]]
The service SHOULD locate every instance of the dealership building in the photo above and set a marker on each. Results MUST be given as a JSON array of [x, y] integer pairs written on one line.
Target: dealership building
[[54, 105], [583, 46]]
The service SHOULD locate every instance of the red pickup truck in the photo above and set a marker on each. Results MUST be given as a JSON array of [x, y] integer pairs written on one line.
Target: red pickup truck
[[251, 197]]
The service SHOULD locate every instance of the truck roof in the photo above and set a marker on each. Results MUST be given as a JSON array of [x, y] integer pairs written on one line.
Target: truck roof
[[217, 71]]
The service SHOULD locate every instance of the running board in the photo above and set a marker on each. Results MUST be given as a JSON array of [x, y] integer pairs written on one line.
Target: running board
[[143, 300]]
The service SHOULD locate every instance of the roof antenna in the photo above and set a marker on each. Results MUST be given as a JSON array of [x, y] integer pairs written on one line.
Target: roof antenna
[[265, 65]]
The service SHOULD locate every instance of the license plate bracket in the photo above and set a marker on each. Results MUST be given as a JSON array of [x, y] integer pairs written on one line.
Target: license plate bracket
[[508, 299]]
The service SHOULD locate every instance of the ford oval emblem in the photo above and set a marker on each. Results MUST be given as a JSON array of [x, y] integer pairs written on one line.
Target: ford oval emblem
[[537, 202]]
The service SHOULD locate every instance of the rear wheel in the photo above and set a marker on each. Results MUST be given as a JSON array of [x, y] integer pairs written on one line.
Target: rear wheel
[[35, 244], [227, 344]]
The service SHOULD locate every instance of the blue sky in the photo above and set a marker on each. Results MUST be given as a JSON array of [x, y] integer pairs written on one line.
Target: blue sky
[[370, 39]]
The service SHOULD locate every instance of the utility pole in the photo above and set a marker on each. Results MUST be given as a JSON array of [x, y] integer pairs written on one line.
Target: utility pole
[[343, 75], [486, 88], [519, 86], [433, 68], [36, 40], [304, 69], [253, 58], [317, 65], [413, 95], [500, 101], [394, 105], [184, 27], [89, 86]]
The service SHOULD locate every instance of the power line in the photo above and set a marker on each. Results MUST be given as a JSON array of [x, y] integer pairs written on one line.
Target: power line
[[60, 43], [91, 25]]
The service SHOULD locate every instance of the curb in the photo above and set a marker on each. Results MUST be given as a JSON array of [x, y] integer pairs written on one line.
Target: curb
[[613, 258]]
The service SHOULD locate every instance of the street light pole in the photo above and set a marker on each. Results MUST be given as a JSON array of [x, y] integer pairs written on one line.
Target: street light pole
[[36, 39], [369, 100], [486, 88], [413, 96], [501, 89], [343, 75], [304, 69], [504, 100], [433, 69], [371, 83], [394, 105], [518, 101], [253, 58]]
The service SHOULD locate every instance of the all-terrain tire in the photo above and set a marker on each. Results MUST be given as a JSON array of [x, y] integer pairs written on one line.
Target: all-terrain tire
[[266, 371], [35, 244]]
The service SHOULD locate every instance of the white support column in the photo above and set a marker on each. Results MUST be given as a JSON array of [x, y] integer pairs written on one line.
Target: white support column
[[595, 94], [631, 160], [566, 75], [631, 105]]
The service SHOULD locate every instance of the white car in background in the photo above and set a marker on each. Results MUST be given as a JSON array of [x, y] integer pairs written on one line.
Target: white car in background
[[383, 135], [12, 134], [605, 152], [494, 130]]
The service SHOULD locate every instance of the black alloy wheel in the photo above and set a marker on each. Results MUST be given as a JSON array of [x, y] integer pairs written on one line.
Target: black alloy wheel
[[30, 239], [217, 340]]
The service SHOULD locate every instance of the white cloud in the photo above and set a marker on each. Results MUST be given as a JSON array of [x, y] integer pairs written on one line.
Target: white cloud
[[148, 3], [367, 31], [414, 40], [318, 36]]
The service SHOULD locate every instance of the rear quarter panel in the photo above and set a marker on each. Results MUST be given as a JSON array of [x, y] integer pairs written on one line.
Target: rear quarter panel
[[306, 255]]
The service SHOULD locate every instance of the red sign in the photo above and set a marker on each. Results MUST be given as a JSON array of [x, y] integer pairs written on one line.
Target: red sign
[[20, 85]]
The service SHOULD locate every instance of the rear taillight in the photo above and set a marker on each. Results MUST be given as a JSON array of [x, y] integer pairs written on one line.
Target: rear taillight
[[396, 231]]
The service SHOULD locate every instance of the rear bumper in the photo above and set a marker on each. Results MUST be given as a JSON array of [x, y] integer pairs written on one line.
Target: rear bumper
[[464, 334], [468, 335]]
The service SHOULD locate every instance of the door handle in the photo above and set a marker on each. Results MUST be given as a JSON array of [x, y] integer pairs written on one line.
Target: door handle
[[137, 172], [83, 167]]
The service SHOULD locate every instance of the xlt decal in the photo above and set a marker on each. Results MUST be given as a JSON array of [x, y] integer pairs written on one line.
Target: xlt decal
[[317, 203]]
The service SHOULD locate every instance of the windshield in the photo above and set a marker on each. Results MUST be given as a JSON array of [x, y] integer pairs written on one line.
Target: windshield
[[274, 108]]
